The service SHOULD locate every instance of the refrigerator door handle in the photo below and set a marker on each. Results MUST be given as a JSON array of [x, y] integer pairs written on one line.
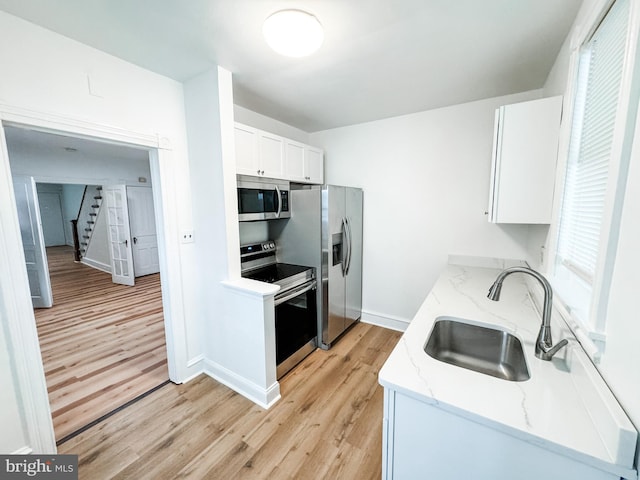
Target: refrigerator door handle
[[345, 245], [350, 243], [279, 202]]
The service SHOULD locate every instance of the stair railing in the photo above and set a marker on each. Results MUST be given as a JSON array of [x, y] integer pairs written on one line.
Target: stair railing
[[74, 225]]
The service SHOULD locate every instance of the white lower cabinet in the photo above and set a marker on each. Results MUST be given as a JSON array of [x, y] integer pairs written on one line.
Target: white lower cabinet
[[421, 440]]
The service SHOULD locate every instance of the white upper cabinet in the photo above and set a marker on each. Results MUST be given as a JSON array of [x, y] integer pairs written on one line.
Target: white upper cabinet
[[258, 153], [523, 170], [294, 161], [314, 165], [271, 153], [263, 154], [303, 163], [247, 160]]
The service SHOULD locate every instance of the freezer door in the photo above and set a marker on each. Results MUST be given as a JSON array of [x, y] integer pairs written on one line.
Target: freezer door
[[334, 237], [353, 280]]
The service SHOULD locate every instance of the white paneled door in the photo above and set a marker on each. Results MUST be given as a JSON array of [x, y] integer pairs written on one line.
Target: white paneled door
[[51, 216], [33, 241], [142, 221], [119, 235]]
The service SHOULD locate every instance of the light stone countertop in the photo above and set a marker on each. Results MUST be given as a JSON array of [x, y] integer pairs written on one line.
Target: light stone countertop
[[565, 406]]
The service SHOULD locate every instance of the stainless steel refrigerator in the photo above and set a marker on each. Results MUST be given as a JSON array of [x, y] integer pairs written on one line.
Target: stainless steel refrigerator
[[325, 232], [341, 259]]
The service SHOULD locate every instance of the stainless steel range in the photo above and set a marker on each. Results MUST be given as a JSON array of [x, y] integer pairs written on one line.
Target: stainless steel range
[[296, 311]]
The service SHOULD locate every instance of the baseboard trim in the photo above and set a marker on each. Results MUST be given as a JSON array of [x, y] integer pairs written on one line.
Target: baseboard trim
[[26, 450], [398, 324], [263, 397], [97, 265]]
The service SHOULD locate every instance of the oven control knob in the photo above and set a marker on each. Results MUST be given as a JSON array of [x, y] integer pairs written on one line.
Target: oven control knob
[[272, 245]]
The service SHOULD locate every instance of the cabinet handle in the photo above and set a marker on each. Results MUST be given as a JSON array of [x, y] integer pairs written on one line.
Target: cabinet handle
[[258, 171], [262, 172]]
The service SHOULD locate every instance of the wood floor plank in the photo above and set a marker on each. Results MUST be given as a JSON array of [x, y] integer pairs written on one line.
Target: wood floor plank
[[328, 424], [102, 344]]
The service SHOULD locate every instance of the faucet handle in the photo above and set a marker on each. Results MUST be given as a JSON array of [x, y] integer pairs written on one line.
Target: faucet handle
[[545, 352]]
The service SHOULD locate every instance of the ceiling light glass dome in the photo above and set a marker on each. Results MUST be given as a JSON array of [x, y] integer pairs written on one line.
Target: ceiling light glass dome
[[293, 33]]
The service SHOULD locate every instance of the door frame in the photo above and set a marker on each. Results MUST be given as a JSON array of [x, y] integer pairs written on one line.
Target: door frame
[[15, 300]]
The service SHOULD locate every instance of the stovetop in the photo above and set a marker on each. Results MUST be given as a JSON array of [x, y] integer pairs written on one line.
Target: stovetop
[[275, 272], [259, 263]]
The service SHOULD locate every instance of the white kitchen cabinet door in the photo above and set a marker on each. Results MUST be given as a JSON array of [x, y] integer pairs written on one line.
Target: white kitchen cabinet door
[[303, 163], [246, 142], [523, 170], [264, 154], [314, 165], [271, 153], [294, 161]]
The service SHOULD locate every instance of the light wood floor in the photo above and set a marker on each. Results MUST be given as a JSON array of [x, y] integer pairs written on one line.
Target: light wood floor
[[328, 424], [102, 344]]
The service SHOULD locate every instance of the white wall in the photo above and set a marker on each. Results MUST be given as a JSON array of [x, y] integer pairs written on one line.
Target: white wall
[[203, 116], [426, 187], [45, 72], [51, 166], [13, 438], [233, 336], [268, 124], [71, 199]]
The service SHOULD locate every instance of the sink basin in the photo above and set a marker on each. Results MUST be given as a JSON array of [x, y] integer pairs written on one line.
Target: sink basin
[[481, 349]]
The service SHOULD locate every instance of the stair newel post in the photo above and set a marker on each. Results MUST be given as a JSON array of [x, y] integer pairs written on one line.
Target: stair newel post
[[76, 240]]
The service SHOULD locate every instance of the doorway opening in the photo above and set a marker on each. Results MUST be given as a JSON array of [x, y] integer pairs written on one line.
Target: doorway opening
[[102, 343]]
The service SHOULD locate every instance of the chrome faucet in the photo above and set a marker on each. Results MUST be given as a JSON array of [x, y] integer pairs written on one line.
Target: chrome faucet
[[545, 350]]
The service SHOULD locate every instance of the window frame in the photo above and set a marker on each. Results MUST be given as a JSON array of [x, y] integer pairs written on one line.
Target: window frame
[[629, 95]]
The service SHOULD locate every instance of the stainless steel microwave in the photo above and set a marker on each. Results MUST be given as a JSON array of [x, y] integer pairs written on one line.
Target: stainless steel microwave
[[262, 198]]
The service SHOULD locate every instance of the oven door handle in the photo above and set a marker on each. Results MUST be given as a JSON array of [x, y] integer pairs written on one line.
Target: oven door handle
[[300, 290], [279, 202]]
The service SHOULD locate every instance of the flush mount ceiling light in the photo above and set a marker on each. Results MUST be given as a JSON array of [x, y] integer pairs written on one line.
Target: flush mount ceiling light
[[293, 33]]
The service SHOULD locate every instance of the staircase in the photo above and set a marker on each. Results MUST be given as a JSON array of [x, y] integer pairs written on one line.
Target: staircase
[[87, 216]]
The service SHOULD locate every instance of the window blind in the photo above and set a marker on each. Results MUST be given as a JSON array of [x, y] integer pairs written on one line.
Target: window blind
[[598, 84]]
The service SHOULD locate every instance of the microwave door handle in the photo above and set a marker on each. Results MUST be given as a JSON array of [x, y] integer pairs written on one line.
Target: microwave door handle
[[279, 202]]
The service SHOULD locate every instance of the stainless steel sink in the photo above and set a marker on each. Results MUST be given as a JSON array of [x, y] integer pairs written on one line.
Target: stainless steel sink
[[481, 349]]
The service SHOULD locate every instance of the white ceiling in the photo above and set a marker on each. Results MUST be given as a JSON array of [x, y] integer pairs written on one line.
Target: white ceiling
[[49, 145], [380, 58]]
